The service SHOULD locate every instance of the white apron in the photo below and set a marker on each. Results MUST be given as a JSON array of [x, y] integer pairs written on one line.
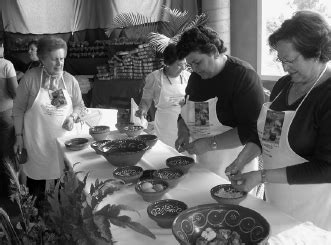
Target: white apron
[[168, 109], [42, 125], [202, 121], [304, 202]]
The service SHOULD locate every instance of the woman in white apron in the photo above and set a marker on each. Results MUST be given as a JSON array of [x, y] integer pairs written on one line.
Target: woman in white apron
[[296, 141], [166, 87], [224, 97], [46, 107]]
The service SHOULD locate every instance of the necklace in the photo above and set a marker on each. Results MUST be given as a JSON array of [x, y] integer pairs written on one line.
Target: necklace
[[180, 75]]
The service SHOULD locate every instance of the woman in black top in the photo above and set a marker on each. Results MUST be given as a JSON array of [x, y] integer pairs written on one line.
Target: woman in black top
[[223, 99], [294, 128]]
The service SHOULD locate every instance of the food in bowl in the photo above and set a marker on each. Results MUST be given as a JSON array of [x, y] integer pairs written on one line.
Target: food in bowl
[[99, 132], [163, 212], [133, 130], [76, 144], [150, 139], [172, 176], [151, 189], [129, 174], [227, 194], [212, 236], [183, 163], [97, 144]]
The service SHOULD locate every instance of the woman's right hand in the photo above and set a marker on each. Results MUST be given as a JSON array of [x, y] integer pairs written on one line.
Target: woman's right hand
[[141, 113], [19, 144], [183, 138]]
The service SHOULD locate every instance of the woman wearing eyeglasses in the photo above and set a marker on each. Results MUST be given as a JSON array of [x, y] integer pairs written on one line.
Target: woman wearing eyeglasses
[[224, 96], [166, 87], [297, 163]]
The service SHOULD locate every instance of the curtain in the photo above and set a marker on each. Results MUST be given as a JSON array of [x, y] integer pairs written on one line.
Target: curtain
[[62, 16]]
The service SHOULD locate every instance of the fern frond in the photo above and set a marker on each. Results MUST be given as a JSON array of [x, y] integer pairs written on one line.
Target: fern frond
[[199, 20], [158, 41]]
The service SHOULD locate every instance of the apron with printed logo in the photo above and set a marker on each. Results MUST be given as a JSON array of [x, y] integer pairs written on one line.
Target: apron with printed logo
[[201, 119], [309, 202], [168, 109], [42, 125]]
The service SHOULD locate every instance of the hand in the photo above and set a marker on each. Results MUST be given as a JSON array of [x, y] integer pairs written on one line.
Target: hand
[[68, 123], [141, 113], [199, 146], [235, 167], [246, 181], [183, 136], [19, 145]]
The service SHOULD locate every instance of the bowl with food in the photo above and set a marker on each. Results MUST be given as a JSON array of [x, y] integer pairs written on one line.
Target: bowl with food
[[227, 194], [95, 145], [220, 224], [100, 132], [184, 163], [163, 212], [76, 144], [150, 139], [171, 175], [151, 189], [133, 130], [129, 174], [123, 152]]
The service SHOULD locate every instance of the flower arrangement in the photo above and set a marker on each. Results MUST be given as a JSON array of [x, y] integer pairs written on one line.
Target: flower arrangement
[[70, 215]]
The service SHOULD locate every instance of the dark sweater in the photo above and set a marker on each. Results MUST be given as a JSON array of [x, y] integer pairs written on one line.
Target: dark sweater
[[309, 133], [240, 96]]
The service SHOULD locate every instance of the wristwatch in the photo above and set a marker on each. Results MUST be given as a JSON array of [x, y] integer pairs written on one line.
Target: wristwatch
[[263, 176], [214, 143]]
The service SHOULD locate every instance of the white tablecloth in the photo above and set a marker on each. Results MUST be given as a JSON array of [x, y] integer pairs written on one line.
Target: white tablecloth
[[193, 190]]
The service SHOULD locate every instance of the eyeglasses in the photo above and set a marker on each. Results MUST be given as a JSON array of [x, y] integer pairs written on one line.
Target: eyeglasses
[[287, 62]]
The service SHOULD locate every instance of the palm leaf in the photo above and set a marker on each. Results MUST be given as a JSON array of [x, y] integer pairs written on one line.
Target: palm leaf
[[8, 228], [158, 41], [174, 20]]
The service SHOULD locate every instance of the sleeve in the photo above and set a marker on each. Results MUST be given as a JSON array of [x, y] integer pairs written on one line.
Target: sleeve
[[247, 102], [318, 168], [76, 96], [21, 101], [10, 70], [149, 90]]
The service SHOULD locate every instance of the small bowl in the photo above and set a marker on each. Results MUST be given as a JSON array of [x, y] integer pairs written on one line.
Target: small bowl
[[227, 194], [99, 132], [151, 189], [123, 152], [163, 212], [150, 139], [170, 175], [76, 144], [120, 127], [129, 174], [96, 144], [133, 130], [251, 226], [183, 163]]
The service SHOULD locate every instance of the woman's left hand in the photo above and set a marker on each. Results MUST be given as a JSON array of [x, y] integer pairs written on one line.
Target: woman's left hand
[[198, 146], [245, 181], [68, 123]]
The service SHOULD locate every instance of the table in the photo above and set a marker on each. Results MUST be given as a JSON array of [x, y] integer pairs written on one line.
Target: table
[[193, 190]]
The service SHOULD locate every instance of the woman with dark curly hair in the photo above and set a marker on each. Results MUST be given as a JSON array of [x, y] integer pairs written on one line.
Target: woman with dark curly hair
[[224, 96], [297, 163]]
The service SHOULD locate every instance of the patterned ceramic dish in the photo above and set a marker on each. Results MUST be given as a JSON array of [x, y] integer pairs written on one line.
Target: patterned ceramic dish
[[171, 175], [125, 152], [227, 194], [99, 132], [76, 144], [183, 163], [96, 144], [150, 139], [163, 212], [133, 130], [151, 189], [251, 227], [129, 174]]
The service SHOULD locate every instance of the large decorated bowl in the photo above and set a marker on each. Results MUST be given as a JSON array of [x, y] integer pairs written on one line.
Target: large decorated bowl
[[209, 223], [123, 152]]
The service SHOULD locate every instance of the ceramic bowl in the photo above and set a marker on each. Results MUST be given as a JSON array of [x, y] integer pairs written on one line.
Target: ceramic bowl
[[129, 174], [183, 163], [252, 227], [123, 152], [76, 144], [150, 139], [227, 194], [133, 130], [96, 144], [170, 175], [163, 212], [120, 127], [151, 189], [99, 132]]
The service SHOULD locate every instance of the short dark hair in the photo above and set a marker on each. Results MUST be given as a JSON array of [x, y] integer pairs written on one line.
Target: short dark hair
[[33, 42], [202, 39], [308, 32], [170, 54], [48, 44]]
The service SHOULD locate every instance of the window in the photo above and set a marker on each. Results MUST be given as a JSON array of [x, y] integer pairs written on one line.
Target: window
[[271, 14]]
